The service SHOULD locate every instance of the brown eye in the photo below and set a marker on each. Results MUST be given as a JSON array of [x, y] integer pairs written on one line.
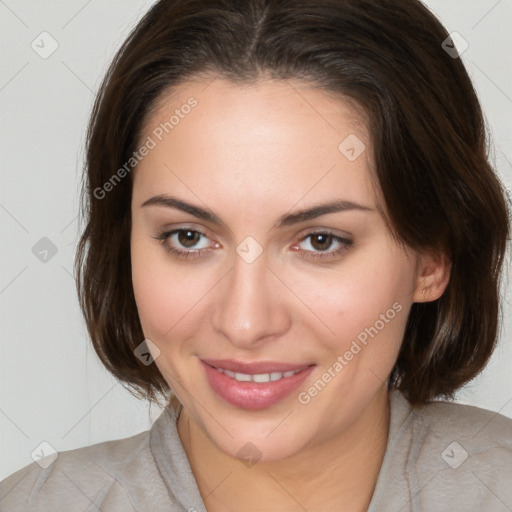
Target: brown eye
[[185, 243], [323, 245], [188, 238], [321, 241]]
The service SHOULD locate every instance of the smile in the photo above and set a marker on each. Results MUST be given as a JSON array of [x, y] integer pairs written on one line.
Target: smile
[[259, 377], [257, 385]]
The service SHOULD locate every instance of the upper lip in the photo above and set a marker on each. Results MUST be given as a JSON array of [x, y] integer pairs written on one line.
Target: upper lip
[[254, 368]]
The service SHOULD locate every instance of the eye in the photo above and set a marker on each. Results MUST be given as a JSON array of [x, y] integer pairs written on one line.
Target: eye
[[186, 238], [319, 245], [184, 243]]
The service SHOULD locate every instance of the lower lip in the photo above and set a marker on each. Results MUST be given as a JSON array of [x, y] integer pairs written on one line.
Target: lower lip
[[253, 395]]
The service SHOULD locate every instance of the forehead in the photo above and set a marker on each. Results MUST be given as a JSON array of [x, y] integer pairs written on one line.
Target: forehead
[[266, 140]]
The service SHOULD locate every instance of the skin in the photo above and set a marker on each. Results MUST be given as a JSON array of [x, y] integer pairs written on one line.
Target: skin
[[250, 154]]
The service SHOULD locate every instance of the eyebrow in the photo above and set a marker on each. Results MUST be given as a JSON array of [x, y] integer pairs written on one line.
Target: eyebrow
[[286, 220]]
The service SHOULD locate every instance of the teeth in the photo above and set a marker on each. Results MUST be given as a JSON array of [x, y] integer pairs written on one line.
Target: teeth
[[259, 377], [242, 377]]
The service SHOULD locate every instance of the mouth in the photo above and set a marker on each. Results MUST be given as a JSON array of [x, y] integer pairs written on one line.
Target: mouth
[[256, 385]]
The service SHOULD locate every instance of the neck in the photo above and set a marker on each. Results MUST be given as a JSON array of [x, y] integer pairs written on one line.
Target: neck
[[338, 474]]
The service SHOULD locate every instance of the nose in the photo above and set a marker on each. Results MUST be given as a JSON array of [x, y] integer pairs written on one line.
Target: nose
[[249, 305]]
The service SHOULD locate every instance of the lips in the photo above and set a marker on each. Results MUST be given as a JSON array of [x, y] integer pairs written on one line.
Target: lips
[[255, 385]]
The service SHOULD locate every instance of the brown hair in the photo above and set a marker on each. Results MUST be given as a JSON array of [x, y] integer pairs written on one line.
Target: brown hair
[[429, 148]]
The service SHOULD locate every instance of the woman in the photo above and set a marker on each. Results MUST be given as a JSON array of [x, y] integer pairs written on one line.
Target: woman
[[293, 227]]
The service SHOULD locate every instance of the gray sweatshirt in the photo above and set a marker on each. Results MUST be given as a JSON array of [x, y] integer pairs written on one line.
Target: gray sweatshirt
[[441, 457]]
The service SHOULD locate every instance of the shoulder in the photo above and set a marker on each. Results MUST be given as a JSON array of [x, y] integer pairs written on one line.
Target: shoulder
[[449, 453], [479, 427], [108, 476], [466, 432]]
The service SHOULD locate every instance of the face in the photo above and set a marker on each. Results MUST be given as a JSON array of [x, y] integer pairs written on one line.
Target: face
[[273, 325]]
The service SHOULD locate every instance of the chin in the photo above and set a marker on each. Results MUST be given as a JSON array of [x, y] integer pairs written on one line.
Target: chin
[[250, 440]]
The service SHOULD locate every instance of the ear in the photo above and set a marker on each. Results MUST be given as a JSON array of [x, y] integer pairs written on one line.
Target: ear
[[433, 275]]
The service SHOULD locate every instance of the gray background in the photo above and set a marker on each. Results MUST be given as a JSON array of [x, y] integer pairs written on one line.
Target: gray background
[[53, 389]]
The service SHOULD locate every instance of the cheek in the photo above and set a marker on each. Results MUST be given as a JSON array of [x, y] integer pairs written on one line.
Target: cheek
[[152, 294], [163, 293], [367, 300], [376, 309]]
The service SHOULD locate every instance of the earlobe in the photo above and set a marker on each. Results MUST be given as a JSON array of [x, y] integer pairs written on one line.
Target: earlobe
[[433, 277]]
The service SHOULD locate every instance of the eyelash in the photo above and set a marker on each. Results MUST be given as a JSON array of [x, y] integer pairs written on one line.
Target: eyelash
[[163, 236]]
